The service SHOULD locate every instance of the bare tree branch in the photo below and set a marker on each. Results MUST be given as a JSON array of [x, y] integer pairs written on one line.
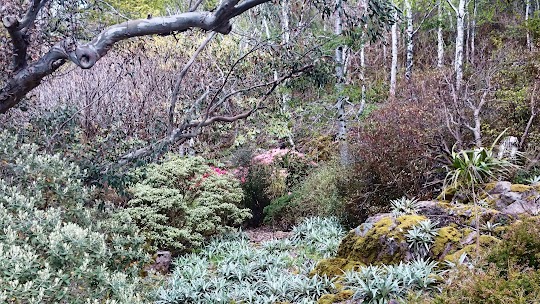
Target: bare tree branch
[[176, 90], [86, 55]]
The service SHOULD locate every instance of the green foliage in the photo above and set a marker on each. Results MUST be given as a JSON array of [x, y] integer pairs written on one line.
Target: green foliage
[[380, 284], [421, 237], [183, 201], [319, 235], [488, 286], [318, 195], [59, 181], [520, 246], [231, 270], [404, 206], [51, 248]]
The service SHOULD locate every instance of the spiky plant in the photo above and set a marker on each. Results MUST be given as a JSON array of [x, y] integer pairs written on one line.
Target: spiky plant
[[421, 236], [470, 168], [403, 206]]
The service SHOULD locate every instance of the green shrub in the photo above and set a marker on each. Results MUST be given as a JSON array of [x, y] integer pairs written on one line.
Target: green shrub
[[57, 181], [478, 286], [318, 195], [53, 250], [183, 201], [520, 246]]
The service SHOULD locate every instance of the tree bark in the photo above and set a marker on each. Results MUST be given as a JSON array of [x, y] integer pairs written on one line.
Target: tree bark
[[340, 79], [440, 38], [394, 66], [410, 43], [29, 76], [460, 39]]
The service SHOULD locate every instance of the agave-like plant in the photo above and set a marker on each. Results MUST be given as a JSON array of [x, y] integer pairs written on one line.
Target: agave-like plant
[[470, 168], [533, 180], [421, 236], [403, 206]]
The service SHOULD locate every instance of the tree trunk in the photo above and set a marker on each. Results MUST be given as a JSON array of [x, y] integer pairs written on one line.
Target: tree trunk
[[393, 69], [440, 38], [473, 31], [340, 79], [410, 44], [527, 13], [460, 37]]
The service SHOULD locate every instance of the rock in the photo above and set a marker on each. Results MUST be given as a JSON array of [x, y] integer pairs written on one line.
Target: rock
[[162, 262], [383, 243], [522, 207], [498, 187]]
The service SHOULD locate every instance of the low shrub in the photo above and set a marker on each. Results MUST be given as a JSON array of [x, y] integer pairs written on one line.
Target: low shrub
[[520, 246], [229, 269], [183, 201], [54, 250], [488, 286], [318, 195]]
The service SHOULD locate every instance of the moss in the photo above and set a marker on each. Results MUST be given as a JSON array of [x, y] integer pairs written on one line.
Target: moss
[[336, 298], [447, 194], [520, 188], [384, 243], [490, 186], [486, 241], [335, 267], [447, 238]]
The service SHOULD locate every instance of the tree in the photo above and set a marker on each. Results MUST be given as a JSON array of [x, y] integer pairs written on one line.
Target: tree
[[460, 11], [25, 76]]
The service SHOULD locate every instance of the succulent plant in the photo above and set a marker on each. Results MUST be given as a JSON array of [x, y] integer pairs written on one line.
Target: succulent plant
[[421, 236], [404, 206]]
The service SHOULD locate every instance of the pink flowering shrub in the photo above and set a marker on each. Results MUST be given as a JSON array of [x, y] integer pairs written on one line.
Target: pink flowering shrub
[[269, 175]]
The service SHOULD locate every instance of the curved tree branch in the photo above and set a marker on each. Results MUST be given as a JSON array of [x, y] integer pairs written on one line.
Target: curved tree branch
[[86, 55]]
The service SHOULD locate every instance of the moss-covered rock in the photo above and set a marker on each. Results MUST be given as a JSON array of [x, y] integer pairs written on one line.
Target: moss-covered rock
[[446, 241], [486, 241], [334, 267], [336, 298], [383, 243]]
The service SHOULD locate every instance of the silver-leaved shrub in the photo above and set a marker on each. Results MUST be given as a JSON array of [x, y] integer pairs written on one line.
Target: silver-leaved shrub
[[181, 202], [54, 250]]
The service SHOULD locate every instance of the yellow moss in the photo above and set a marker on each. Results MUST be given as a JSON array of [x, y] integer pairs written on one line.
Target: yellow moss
[[384, 243], [336, 298], [447, 236], [335, 267], [520, 188], [490, 186], [447, 194], [486, 241]]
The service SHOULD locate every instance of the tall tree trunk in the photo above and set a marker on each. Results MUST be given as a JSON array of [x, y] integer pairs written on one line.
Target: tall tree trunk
[[394, 66], [410, 43], [440, 38], [460, 39], [363, 4], [340, 79], [473, 31], [527, 13]]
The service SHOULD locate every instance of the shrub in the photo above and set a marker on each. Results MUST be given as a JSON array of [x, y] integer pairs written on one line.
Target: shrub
[[393, 156], [318, 195], [520, 246], [183, 201], [51, 248], [488, 286], [57, 181], [231, 270]]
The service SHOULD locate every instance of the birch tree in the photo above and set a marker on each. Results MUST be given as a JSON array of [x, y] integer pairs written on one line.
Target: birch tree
[[440, 38], [394, 65], [410, 42], [460, 39], [340, 79]]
